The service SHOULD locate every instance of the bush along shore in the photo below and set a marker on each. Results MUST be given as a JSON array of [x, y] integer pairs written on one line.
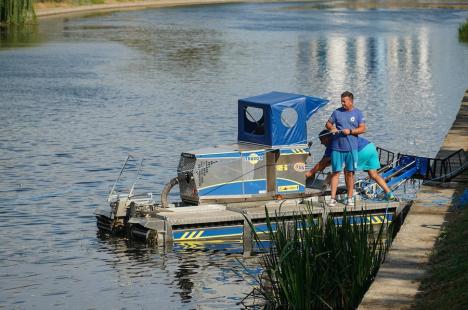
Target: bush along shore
[[463, 32], [16, 12], [319, 263]]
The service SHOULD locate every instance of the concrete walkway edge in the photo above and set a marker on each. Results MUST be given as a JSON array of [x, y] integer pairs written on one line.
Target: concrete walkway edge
[[407, 262]]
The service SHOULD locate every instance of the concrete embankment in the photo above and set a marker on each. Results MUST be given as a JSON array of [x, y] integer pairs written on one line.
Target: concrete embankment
[[399, 278]]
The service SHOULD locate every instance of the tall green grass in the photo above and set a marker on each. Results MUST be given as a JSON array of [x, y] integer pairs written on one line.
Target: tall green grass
[[463, 32], [16, 12], [320, 264]]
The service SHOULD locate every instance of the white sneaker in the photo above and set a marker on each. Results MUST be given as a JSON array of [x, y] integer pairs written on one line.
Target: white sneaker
[[332, 203], [350, 203]]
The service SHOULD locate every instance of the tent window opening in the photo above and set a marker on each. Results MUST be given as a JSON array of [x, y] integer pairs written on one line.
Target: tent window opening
[[254, 120], [289, 117]]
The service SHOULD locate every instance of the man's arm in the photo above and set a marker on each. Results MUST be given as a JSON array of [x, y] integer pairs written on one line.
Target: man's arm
[[356, 131], [331, 127], [360, 130], [322, 164]]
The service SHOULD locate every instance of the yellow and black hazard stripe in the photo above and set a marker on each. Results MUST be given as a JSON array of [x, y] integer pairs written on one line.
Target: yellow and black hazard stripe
[[377, 219], [189, 235]]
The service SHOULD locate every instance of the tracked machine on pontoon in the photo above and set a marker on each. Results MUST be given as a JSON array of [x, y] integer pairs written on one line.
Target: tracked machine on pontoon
[[220, 186]]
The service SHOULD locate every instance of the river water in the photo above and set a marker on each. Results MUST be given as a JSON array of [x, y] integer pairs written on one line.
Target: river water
[[79, 94]]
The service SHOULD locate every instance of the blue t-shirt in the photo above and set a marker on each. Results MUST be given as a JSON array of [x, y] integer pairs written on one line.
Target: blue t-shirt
[[362, 143], [344, 119]]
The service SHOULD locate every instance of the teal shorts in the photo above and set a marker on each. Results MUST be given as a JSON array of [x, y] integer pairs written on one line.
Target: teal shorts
[[368, 159], [340, 159]]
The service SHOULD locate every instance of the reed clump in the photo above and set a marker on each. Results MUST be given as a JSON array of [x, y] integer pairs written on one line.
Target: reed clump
[[463, 32], [16, 12], [321, 264]]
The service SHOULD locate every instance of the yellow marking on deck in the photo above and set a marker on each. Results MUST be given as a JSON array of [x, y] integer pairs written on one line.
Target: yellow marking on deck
[[298, 151], [287, 188], [185, 235], [281, 167]]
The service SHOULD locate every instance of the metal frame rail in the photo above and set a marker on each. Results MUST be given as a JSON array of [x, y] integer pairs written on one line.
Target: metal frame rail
[[444, 169], [407, 167], [437, 169]]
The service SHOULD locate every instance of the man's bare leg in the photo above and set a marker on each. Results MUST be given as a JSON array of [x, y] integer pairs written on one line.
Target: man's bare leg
[[349, 180], [377, 178], [334, 183]]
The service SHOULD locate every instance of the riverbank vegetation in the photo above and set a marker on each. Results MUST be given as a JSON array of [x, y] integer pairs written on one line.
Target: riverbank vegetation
[[16, 12], [463, 32], [321, 264], [50, 4], [446, 287], [71, 3]]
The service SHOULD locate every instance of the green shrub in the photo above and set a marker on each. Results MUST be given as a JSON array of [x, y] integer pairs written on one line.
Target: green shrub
[[463, 32]]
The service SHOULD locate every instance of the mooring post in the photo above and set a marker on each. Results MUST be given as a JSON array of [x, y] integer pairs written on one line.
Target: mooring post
[[325, 213], [289, 229], [167, 232], [247, 236]]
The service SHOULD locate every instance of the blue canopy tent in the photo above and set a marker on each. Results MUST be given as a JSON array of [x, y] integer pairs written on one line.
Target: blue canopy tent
[[276, 118]]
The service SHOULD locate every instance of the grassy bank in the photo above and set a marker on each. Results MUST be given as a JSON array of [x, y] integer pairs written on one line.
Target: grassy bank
[[463, 32], [447, 284], [47, 4], [316, 264]]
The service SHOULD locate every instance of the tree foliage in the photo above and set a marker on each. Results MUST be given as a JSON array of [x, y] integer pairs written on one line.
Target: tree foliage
[[16, 12]]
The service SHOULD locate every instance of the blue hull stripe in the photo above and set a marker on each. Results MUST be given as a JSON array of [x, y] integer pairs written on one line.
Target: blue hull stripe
[[251, 187], [230, 231]]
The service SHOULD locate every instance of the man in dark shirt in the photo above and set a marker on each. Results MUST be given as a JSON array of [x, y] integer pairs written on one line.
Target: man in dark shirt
[[368, 160]]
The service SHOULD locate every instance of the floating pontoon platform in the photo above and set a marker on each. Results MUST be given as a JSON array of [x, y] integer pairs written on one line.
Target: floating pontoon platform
[[231, 221]]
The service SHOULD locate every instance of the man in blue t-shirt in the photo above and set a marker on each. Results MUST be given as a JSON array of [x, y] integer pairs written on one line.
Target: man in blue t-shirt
[[346, 123], [368, 160]]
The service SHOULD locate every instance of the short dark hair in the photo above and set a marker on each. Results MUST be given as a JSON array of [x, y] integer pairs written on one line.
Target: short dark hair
[[323, 132], [347, 94]]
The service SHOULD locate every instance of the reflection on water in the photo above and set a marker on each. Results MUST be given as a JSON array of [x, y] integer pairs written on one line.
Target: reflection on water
[[387, 63], [16, 36], [191, 270], [78, 94]]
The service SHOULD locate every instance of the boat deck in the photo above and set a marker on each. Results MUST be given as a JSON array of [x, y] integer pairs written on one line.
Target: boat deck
[[215, 221]]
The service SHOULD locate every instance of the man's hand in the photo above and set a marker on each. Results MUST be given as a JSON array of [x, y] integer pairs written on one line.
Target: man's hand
[[346, 131], [331, 127]]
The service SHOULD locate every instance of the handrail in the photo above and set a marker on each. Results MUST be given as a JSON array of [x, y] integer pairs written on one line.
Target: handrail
[[443, 169], [386, 157]]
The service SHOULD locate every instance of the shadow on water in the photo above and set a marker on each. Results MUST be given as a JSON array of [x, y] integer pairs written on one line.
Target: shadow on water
[[19, 36]]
